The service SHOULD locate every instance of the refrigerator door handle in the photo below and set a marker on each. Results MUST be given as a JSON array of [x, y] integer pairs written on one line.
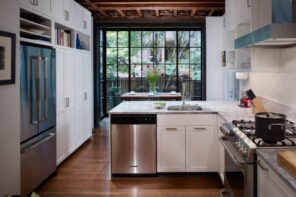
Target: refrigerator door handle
[[50, 135], [45, 89], [38, 88], [34, 121]]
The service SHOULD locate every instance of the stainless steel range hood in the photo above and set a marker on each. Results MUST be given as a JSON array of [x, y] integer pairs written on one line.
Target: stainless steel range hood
[[280, 33]]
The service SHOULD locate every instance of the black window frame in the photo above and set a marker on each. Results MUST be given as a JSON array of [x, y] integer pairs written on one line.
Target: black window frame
[[202, 47]]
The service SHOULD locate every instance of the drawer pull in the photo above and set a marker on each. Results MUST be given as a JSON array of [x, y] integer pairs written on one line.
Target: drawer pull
[[171, 129], [261, 166], [199, 128]]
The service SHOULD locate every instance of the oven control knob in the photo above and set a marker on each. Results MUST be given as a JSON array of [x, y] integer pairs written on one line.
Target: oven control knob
[[244, 153]]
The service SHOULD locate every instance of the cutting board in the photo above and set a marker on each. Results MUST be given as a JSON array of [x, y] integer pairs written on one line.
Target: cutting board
[[287, 160], [258, 106]]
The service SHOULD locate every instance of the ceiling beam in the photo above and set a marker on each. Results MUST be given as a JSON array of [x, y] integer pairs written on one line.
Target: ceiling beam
[[102, 12], [157, 13], [139, 12], [193, 12], [175, 12], [211, 12], [121, 13]]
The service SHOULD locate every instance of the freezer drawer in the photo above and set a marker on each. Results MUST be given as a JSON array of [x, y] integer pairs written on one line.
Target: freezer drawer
[[133, 148], [38, 161]]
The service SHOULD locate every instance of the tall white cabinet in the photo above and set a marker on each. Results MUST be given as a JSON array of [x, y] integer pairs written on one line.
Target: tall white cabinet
[[63, 21], [74, 93]]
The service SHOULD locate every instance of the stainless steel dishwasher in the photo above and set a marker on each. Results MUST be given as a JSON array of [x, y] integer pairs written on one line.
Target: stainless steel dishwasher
[[133, 144]]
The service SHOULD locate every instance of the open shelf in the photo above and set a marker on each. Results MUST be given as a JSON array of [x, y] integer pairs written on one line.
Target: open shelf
[[34, 27], [64, 36], [84, 41]]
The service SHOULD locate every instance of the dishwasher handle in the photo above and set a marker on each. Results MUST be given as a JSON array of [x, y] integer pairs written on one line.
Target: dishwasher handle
[[133, 119]]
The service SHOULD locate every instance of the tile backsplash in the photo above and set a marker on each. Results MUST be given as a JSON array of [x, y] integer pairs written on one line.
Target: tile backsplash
[[277, 107]]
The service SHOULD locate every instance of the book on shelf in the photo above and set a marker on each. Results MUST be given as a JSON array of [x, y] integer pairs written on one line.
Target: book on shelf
[[63, 37]]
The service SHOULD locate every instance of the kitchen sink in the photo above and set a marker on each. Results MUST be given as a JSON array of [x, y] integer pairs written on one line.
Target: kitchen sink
[[184, 108]]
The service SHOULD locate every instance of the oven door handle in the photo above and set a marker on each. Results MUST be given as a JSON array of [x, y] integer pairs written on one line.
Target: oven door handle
[[236, 162]]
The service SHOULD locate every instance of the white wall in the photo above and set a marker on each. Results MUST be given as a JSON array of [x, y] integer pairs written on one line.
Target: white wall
[[214, 42], [273, 75], [10, 110]]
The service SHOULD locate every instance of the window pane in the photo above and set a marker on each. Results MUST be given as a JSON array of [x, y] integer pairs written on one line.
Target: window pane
[[195, 89], [111, 55], [111, 37], [160, 83], [159, 55], [195, 39], [147, 55], [195, 55], [136, 74], [123, 73], [170, 77], [170, 55], [147, 38], [135, 39], [195, 72], [170, 39], [123, 56], [159, 38], [136, 55], [123, 39], [183, 55], [184, 71], [183, 38]]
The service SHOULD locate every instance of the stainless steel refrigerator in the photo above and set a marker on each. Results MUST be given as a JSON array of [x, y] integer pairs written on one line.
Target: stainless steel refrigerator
[[38, 115]]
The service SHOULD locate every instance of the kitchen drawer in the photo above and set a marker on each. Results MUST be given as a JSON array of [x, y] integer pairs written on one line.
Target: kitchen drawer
[[186, 119]]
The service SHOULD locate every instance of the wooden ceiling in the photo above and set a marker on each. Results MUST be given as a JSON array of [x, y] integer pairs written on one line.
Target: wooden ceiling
[[131, 10]]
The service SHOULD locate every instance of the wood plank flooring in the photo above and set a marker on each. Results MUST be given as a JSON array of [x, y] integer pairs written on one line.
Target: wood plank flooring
[[86, 173]]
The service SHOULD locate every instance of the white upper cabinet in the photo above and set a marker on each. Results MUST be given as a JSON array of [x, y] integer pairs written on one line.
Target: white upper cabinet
[[64, 11], [230, 14], [243, 10], [83, 20], [41, 6]]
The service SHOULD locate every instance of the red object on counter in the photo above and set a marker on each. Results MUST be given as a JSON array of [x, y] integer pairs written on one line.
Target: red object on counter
[[245, 102]]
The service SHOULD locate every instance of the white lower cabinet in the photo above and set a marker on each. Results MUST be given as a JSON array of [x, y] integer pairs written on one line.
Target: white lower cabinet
[[221, 151], [186, 147], [201, 149], [269, 184], [171, 149]]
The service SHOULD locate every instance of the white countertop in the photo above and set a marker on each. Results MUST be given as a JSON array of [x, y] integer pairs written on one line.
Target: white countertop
[[229, 110]]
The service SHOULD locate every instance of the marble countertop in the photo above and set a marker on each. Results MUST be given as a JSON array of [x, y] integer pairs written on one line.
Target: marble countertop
[[270, 157], [229, 110]]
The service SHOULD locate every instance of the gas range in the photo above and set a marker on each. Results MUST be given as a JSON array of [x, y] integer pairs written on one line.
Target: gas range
[[240, 143], [248, 128], [241, 134]]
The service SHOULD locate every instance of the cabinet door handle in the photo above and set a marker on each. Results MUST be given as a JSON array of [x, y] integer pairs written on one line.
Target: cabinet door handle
[[67, 102], [261, 166], [249, 3], [199, 128], [171, 129], [85, 96], [32, 2], [84, 24], [66, 15]]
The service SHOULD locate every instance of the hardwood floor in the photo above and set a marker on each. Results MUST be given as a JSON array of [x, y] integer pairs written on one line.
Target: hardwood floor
[[86, 173]]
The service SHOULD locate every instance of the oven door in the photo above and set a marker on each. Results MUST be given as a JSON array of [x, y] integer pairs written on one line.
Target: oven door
[[239, 174]]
